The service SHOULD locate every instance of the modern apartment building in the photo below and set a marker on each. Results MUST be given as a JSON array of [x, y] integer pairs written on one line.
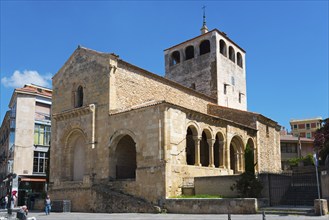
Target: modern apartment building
[[25, 141], [305, 127], [294, 147]]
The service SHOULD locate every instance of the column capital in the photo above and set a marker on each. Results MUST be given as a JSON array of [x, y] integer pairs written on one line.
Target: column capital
[[197, 138]]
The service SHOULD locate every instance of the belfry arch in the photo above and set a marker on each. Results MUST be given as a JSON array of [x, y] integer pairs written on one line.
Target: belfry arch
[[237, 155]]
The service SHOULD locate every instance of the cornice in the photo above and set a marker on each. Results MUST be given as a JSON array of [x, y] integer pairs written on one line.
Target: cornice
[[73, 113]]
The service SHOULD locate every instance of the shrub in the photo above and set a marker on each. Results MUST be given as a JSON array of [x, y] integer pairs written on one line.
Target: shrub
[[248, 186]]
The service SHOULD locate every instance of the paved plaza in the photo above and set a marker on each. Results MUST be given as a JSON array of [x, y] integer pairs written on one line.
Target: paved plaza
[[137, 216]]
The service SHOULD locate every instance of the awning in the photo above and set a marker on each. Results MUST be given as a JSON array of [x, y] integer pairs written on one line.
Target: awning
[[25, 179]]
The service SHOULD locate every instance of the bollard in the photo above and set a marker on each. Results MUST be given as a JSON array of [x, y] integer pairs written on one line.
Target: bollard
[[229, 216], [264, 216]]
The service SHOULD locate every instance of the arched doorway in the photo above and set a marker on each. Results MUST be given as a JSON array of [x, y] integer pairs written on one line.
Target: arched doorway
[[79, 156], [74, 157], [125, 157]]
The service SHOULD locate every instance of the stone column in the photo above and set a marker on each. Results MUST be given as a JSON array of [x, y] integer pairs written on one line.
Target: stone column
[[221, 154], [211, 143], [237, 161], [242, 162], [227, 156], [197, 150]]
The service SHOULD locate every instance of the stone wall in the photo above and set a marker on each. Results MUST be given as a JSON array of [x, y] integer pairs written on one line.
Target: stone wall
[[135, 86], [325, 184], [211, 206], [216, 185]]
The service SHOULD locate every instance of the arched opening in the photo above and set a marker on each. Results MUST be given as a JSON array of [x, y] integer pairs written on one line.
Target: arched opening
[[190, 145], [236, 154], [250, 161], [204, 150], [231, 54], [239, 60], [79, 156], [125, 156], [79, 97], [219, 150], [204, 47], [175, 58], [222, 48], [74, 157], [189, 52], [233, 158]]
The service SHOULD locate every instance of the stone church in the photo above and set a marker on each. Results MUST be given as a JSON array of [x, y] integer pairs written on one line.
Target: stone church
[[123, 128]]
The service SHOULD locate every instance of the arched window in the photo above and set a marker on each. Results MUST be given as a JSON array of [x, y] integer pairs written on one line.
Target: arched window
[[189, 52], [204, 47], [175, 58], [222, 48], [79, 97], [239, 60], [231, 54]]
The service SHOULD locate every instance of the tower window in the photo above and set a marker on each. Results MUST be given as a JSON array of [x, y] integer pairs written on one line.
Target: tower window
[[204, 47], [222, 48], [231, 54], [239, 60], [189, 52], [175, 58]]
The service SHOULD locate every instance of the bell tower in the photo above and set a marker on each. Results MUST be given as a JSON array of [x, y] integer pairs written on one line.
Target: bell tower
[[212, 64]]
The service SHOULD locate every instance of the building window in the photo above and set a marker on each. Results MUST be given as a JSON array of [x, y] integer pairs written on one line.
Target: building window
[[295, 127], [308, 127], [40, 162], [239, 60], [175, 58], [240, 96], [222, 48], [288, 148], [308, 135], [225, 88], [42, 135], [231, 54], [189, 52], [204, 47]]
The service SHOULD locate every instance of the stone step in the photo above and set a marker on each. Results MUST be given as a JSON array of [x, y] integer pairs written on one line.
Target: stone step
[[287, 210]]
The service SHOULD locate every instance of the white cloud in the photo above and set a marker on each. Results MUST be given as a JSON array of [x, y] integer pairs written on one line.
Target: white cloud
[[19, 79]]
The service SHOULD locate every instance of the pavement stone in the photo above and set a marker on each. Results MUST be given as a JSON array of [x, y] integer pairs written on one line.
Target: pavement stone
[[168, 216]]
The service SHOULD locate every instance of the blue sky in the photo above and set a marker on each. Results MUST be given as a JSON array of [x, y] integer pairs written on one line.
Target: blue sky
[[286, 44]]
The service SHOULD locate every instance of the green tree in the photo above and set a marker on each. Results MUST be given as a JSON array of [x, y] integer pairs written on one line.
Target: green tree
[[321, 141]]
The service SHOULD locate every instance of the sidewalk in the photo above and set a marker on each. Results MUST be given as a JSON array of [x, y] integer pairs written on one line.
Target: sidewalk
[[137, 216]]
